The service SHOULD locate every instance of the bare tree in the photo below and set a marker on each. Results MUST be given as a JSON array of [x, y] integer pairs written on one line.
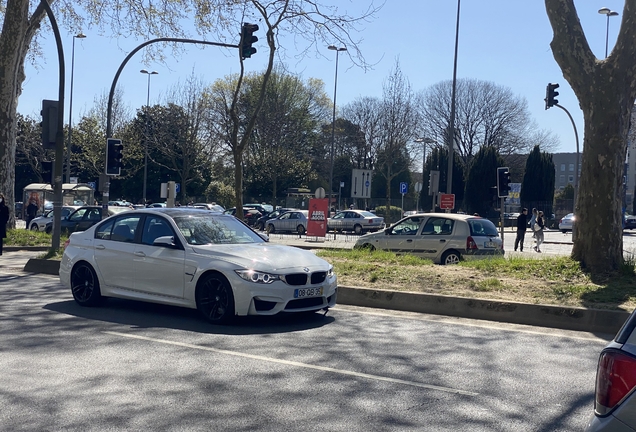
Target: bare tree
[[366, 113], [486, 115], [606, 90]]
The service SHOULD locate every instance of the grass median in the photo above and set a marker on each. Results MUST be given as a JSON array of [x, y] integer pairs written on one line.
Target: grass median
[[548, 280], [23, 237]]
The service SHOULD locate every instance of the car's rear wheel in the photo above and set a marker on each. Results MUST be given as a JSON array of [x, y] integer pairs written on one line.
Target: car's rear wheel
[[564, 231], [34, 227], [260, 226], [85, 285], [357, 229], [451, 257], [215, 299], [271, 229], [300, 229]]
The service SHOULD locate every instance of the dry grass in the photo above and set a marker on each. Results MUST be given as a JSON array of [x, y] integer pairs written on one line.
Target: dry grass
[[555, 281]]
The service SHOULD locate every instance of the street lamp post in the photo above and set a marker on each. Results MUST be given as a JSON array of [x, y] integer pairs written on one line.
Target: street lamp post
[[424, 141], [144, 71], [451, 128], [333, 123], [609, 13], [80, 35]]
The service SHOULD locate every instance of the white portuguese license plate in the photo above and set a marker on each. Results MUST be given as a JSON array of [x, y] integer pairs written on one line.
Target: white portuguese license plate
[[307, 292], [490, 244]]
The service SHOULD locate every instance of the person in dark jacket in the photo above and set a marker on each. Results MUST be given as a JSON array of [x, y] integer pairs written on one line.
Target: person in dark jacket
[[4, 218], [31, 211], [522, 221]]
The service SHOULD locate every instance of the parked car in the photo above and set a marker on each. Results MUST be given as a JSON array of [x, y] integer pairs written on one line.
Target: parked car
[[83, 218], [39, 223], [630, 222], [444, 238], [292, 221], [209, 206], [357, 221], [615, 395], [144, 255], [263, 208], [260, 223], [250, 215], [566, 222], [156, 205]]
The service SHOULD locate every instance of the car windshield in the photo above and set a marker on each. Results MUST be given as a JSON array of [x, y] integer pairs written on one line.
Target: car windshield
[[210, 229], [482, 227]]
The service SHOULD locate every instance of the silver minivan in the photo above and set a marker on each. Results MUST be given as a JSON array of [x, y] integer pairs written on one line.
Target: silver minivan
[[444, 238]]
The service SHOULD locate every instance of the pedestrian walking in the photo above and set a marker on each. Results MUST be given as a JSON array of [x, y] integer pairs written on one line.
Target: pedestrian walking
[[31, 211], [4, 218], [539, 226], [522, 222]]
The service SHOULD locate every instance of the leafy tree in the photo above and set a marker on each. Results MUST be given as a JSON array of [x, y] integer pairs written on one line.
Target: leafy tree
[[537, 188], [606, 90], [567, 193], [29, 154], [482, 176]]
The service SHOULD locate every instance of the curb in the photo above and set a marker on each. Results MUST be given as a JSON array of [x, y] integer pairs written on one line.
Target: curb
[[560, 317], [566, 318], [26, 248]]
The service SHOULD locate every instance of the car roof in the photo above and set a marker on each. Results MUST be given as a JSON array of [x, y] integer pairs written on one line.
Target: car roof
[[182, 211], [454, 216]]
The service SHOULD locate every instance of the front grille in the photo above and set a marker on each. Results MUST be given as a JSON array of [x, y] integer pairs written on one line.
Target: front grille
[[296, 279], [305, 303], [318, 277]]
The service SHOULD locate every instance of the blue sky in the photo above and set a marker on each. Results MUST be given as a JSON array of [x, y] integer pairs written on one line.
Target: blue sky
[[503, 41]]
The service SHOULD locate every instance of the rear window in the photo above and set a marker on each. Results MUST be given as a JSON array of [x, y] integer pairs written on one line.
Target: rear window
[[482, 227]]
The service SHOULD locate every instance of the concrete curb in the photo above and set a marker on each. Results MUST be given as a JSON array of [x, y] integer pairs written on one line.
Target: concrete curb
[[26, 248], [568, 318], [36, 265]]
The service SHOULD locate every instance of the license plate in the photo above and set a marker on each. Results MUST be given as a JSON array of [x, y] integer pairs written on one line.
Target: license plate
[[490, 244], [307, 292]]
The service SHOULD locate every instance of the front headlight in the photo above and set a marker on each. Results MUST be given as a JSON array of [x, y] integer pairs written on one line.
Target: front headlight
[[330, 272], [257, 277]]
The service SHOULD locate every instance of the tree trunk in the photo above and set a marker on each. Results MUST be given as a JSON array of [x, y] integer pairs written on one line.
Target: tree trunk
[[388, 196], [238, 184]]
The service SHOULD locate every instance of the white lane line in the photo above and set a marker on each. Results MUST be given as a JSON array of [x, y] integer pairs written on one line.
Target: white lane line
[[297, 364]]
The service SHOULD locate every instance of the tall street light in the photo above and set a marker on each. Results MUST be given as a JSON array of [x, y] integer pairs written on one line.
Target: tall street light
[[333, 123], [424, 141], [144, 71], [80, 35], [451, 127], [609, 13]]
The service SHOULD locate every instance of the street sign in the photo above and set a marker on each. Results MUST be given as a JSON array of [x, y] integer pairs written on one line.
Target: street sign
[[361, 183], [447, 201], [177, 187], [404, 188], [92, 185], [418, 187]]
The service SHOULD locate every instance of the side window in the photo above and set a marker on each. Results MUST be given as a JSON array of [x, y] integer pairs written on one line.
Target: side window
[[124, 229], [339, 216], [78, 215], [286, 216], [438, 226], [94, 214], [406, 227], [155, 227], [103, 231]]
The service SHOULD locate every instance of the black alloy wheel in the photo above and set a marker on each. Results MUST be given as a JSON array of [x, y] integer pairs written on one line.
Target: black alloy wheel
[[85, 285], [215, 299]]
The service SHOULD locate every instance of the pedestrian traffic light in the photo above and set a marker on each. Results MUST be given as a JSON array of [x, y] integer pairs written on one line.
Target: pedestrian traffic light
[[47, 171], [247, 39], [503, 182], [114, 155], [49, 123], [550, 95]]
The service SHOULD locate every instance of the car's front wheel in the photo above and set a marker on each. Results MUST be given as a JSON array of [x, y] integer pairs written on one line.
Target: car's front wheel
[[34, 227], [271, 229], [300, 229], [451, 257], [85, 285], [215, 299], [260, 226]]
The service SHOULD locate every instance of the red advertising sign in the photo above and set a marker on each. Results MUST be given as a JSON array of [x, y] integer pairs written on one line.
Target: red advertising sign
[[447, 201], [317, 223]]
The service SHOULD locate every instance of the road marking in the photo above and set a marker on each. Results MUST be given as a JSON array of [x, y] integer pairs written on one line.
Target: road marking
[[297, 364]]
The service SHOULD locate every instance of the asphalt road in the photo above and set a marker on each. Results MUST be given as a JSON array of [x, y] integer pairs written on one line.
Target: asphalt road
[[133, 366]]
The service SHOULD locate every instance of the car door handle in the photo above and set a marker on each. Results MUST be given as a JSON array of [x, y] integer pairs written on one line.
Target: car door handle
[[100, 247], [442, 240], [409, 241], [140, 254]]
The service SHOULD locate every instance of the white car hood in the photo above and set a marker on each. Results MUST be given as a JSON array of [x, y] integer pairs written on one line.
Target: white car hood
[[263, 256]]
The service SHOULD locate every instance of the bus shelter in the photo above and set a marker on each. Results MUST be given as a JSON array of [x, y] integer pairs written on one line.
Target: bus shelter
[[41, 194]]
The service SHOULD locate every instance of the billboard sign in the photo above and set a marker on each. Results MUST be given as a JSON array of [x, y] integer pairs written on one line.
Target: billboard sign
[[317, 223]]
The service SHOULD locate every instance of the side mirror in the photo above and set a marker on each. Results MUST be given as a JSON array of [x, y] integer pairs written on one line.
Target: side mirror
[[167, 241], [387, 231]]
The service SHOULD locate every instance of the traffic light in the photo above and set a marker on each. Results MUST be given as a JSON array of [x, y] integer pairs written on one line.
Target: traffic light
[[49, 123], [47, 172], [114, 155], [503, 182], [247, 39], [550, 95]]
